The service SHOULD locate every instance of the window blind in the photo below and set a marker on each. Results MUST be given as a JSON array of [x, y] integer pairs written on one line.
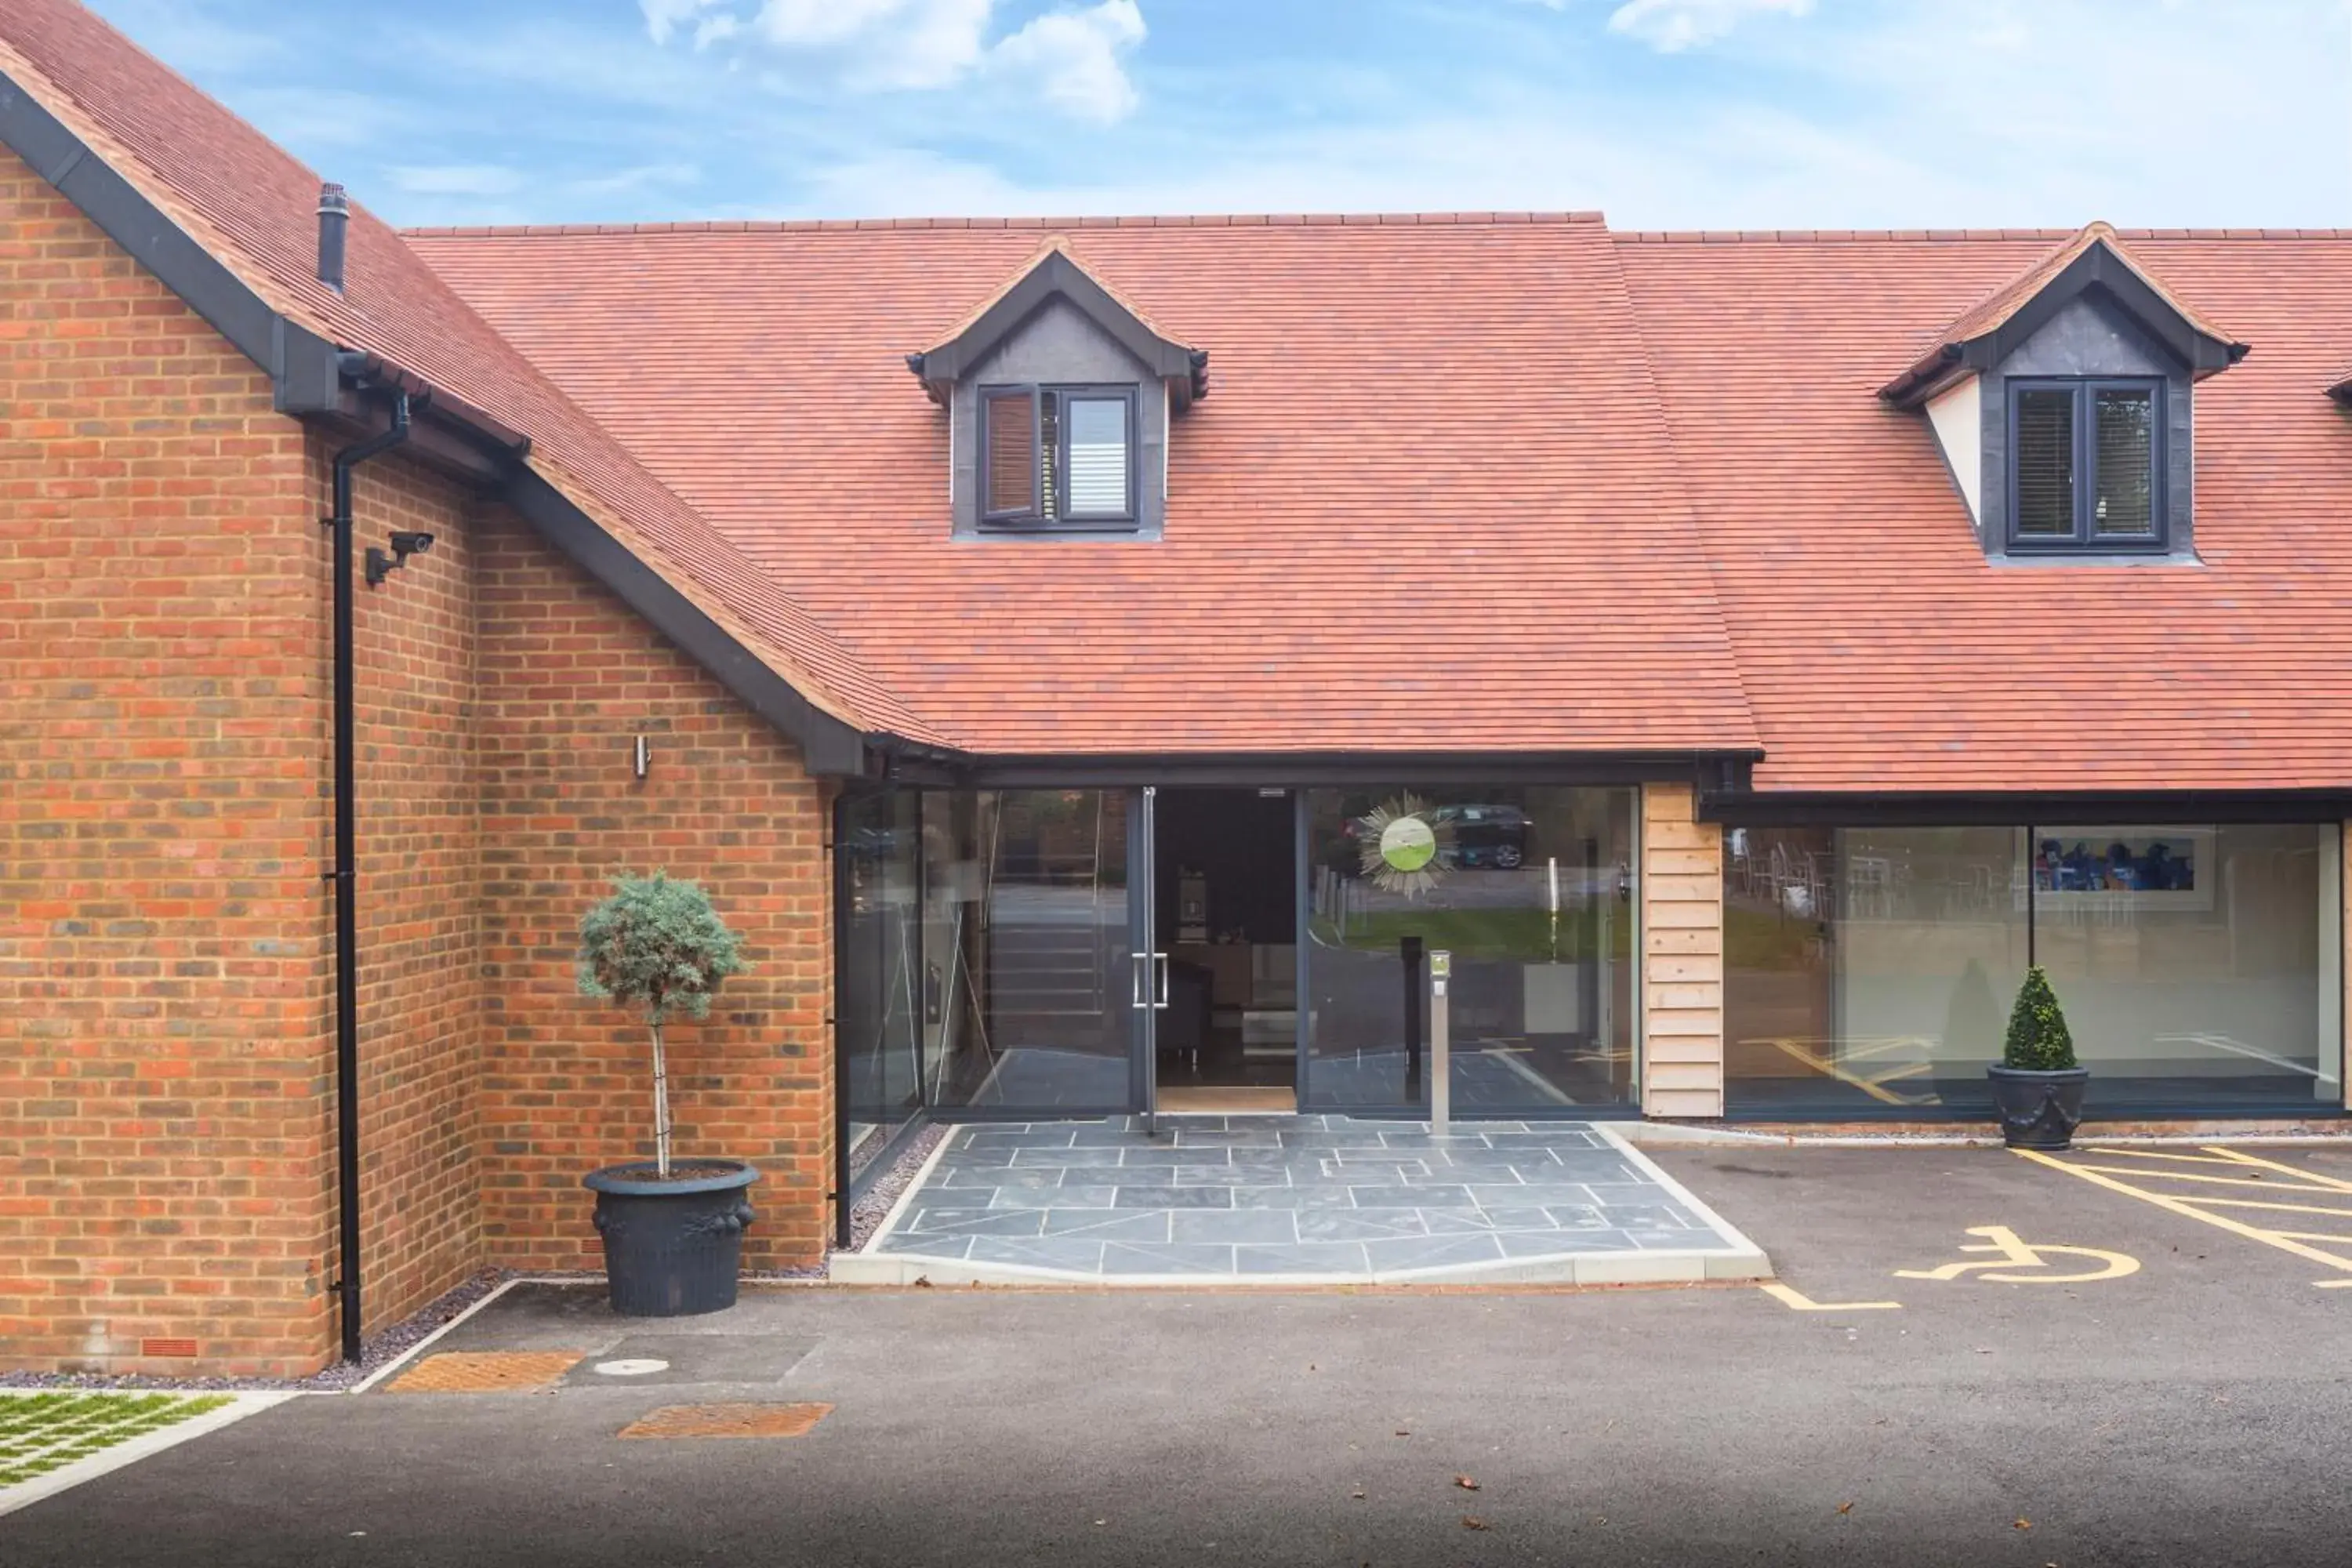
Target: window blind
[[1096, 428], [2123, 425], [2044, 461]]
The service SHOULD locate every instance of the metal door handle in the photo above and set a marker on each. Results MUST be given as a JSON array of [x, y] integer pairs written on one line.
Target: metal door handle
[[1136, 964], [1161, 960]]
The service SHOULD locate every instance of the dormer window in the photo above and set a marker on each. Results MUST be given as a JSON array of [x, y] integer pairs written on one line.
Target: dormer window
[[1059, 396], [2065, 403], [2086, 464], [1058, 457]]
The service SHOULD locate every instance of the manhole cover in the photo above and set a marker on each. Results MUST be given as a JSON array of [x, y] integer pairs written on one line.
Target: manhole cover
[[749, 1364], [485, 1372], [729, 1421]]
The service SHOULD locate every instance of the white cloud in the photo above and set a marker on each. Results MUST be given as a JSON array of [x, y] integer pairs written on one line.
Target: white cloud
[[456, 179], [1075, 60], [1673, 26], [665, 17]]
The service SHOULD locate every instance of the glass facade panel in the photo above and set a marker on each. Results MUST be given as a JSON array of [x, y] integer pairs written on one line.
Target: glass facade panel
[[1028, 911], [881, 967], [1870, 971], [1530, 890], [2198, 967]]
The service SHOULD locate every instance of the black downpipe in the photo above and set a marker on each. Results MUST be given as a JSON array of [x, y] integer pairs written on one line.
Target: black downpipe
[[345, 876]]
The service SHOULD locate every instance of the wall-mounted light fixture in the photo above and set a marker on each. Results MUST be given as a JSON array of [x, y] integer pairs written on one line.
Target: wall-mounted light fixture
[[404, 545], [642, 756]]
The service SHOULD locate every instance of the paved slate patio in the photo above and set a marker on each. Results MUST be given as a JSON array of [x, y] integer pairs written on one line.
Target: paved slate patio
[[1260, 1196]]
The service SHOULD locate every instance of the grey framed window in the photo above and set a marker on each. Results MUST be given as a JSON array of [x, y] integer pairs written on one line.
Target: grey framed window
[[1057, 457], [2086, 464]]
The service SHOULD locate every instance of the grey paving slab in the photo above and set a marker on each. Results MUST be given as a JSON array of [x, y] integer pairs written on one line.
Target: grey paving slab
[[977, 1222], [1344, 1258], [1173, 1198], [1172, 1258], [1233, 1224], [1266, 1195]]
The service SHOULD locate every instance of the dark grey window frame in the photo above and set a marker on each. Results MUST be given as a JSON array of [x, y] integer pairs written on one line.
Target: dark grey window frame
[[1027, 520], [2084, 540]]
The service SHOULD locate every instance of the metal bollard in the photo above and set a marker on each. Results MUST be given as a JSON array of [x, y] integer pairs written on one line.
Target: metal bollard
[[1441, 1078]]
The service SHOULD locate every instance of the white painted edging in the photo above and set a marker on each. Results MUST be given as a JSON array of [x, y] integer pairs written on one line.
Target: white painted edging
[[413, 1351], [1738, 1243], [1655, 1265], [26, 1493]]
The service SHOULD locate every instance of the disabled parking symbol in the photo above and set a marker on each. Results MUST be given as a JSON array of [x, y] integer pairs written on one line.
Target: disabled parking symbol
[[2017, 1262]]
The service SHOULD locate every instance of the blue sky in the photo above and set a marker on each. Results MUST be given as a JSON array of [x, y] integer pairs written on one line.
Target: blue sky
[[1665, 114]]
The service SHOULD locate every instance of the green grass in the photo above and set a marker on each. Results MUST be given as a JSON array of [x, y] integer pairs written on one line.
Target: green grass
[[44, 1432]]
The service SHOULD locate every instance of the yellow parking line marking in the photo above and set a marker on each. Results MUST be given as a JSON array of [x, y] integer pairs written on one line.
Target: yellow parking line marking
[[2219, 1180], [2191, 1210], [2237, 1158], [2315, 1236], [2259, 1203], [1797, 1302], [2333, 1284], [2157, 1154]]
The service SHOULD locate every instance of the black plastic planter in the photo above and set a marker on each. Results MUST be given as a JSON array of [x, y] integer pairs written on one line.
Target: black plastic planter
[[2038, 1110], [672, 1249]]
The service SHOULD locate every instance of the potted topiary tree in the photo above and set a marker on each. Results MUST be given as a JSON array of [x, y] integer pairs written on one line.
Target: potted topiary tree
[[673, 1231], [2038, 1086]]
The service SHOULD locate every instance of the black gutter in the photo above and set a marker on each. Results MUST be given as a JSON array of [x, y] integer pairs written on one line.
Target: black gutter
[[2012, 808], [345, 876]]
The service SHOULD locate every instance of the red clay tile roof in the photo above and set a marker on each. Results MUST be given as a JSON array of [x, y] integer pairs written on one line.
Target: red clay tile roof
[[1882, 650], [253, 207], [1586, 492], [1468, 538]]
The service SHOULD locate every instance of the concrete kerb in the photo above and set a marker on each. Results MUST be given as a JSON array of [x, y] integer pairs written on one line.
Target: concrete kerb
[[129, 1452], [1741, 1258]]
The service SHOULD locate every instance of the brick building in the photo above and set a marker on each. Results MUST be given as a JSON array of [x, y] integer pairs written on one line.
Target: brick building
[[1743, 654]]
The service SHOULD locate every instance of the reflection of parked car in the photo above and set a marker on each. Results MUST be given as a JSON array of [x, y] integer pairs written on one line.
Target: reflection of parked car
[[1487, 835]]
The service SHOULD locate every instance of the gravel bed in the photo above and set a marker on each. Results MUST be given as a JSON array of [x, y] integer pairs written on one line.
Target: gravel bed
[[866, 1214], [385, 1346]]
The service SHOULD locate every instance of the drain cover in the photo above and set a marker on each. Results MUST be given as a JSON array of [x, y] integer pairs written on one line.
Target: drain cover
[[485, 1372], [729, 1421], [632, 1366]]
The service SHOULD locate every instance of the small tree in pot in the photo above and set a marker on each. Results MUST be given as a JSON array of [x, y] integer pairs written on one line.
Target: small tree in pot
[[673, 1232], [2038, 1086]]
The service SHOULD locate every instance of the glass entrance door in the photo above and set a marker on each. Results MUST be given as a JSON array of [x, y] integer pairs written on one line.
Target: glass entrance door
[[1029, 925], [1147, 965]]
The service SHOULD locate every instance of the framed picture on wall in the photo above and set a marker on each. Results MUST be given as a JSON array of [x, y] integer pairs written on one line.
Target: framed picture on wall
[[2124, 868]]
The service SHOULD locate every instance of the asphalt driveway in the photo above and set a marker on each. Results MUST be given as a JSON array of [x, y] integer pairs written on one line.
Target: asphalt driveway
[[2185, 1409]]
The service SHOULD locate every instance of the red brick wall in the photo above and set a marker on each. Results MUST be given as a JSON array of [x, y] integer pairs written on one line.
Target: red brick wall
[[166, 978], [164, 969], [420, 971], [567, 676]]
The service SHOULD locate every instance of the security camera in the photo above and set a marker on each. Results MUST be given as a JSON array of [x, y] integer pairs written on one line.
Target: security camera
[[404, 545]]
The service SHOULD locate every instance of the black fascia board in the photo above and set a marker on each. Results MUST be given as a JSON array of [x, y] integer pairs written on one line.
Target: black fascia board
[[2199, 352], [303, 366], [1305, 769], [1055, 276], [2017, 808], [2098, 267], [828, 745]]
